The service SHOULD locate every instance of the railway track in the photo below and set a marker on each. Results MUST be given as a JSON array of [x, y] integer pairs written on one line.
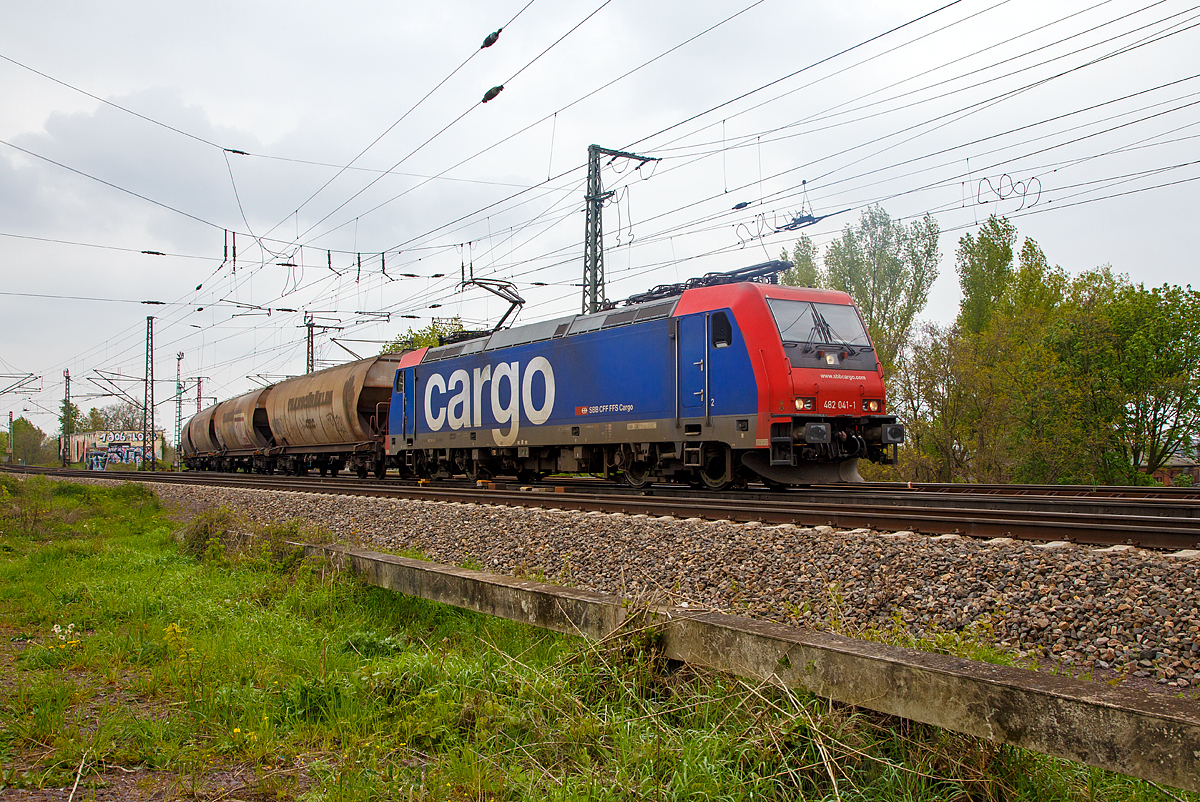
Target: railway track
[[1142, 517]]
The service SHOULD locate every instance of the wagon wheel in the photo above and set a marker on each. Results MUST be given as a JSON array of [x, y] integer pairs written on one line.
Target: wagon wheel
[[360, 470], [380, 468]]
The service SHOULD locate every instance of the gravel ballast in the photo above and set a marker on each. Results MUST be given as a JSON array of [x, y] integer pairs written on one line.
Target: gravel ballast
[[1082, 609]]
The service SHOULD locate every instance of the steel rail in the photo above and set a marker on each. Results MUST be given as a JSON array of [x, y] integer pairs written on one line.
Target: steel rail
[[1048, 491], [1111, 525]]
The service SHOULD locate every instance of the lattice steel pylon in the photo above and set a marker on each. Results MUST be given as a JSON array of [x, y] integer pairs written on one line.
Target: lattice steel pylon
[[593, 235], [148, 398], [68, 426], [178, 407]]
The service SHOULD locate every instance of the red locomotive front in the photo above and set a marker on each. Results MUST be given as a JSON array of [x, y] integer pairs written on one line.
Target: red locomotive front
[[822, 400]]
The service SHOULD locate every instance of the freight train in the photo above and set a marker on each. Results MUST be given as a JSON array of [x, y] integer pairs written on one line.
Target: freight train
[[717, 382]]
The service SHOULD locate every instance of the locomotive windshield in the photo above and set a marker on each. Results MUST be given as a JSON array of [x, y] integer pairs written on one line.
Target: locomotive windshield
[[813, 324]]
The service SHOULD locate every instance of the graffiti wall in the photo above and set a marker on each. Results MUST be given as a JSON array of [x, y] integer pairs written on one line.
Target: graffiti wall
[[99, 449]]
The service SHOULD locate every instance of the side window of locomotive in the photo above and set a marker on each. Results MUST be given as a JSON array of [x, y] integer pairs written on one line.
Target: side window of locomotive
[[399, 381], [722, 331]]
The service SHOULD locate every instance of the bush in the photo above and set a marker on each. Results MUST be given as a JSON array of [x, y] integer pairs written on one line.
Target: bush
[[219, 526]]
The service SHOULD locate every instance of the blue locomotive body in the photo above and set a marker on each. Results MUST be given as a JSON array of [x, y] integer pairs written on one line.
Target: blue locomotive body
[[597, 381]]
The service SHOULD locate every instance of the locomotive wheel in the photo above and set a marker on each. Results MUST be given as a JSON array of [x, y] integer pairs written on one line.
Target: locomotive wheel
[[637, 475], [714, 471], [420, 467], [474, 471]]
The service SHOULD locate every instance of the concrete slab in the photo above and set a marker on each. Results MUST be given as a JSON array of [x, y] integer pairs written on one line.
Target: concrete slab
[[1149, 736], [1184, 554]]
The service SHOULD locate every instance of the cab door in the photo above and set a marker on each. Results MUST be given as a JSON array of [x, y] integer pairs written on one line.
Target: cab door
[[409, 391], [693, 365], [400, 415]]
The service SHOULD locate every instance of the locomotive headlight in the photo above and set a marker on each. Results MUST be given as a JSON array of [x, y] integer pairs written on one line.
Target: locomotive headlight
[[872, 405], [806, 404]]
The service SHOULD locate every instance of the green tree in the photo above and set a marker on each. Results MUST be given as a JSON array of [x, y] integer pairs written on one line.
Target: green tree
[[1035, 287], [888, 268], [1047, 378], [1155, 335], [28, 442], [71, 420], [930, 396], [804, 271], [1081, 341], [428, 337], [984, 265], [125, 416], [1001, 356], [1023, 389]]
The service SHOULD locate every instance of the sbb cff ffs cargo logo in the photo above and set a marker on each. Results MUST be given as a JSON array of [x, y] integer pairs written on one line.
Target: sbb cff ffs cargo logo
[[464, 408]]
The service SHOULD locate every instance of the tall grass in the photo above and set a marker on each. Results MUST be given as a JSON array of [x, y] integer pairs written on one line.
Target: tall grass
[[206, 650]]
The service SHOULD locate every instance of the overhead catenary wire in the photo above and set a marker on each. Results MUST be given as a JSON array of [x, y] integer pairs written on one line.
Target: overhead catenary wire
[[455, 121], [538, 122], [390, 260], [916, 126], [117, 106], [407, 244], [117, 187], [751, 140], [790, 75], [401, 119]]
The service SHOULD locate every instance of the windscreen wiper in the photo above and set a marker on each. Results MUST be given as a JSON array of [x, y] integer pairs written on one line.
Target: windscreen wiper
[[832, 336]]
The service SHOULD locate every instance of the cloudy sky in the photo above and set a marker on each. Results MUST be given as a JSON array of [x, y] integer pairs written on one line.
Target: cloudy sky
[[343, 149]]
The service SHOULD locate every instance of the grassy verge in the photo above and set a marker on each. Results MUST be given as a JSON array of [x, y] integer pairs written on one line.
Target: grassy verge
[[202, 660]]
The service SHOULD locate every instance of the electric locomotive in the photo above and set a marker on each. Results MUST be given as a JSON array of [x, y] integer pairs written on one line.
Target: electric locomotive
[[713, 385]]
